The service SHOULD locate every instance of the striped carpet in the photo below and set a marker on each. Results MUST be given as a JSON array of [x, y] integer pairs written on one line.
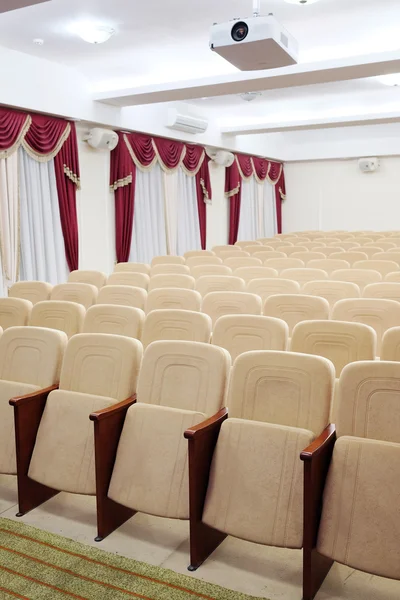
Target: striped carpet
[[36, 565]]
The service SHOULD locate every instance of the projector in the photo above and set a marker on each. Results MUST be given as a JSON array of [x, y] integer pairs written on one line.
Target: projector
[[254, 44]]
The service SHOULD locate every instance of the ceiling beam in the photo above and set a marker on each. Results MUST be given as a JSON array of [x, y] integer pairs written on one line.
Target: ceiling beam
[[343, 69]]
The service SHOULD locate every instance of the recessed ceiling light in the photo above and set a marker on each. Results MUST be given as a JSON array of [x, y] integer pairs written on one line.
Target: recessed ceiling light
[[92, 33], [249, 96], [301, 2], [393, 79]]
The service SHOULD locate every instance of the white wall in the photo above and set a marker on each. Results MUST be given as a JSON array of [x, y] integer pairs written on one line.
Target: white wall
[[335, 194]]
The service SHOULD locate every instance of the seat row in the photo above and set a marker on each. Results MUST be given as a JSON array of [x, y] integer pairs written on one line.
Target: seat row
[[164, 443]]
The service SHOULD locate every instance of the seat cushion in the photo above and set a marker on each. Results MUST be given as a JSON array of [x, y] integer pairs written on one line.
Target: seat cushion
[[8, 390], [360, 524], [151, 469], [256, 483], [63, 457]]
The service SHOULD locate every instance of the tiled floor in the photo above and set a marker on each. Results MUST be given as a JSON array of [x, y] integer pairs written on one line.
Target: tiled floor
[[258, 570]]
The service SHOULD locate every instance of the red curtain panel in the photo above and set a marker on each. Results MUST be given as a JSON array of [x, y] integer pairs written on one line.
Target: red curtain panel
[[122, 181]]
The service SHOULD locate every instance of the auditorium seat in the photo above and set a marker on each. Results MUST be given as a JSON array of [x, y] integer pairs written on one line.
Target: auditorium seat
[[380, 314], [278, 245], [235, 262], [265, 255], [382, 266], [328, 264], [280, 264], [30, 360], [194, 253], [382, 246], [204, 270], [370, 251], [267, 287], [96, 278], [257, 248], [172, 324], [117, 320], [172, 280], [219, 283], [312, 246], [195, 261], [243, 244], [223, 248], [14, 312], [56, 314], [34, 291], [98, 371], [294, 308], [332, 290], [393, 256], [132, 267], [329, 250], [235, 253], [303, 275], [393, 277], [122, 295], [163, 260], [339, 341], [360, 517], [278, 403], [306, 257], [386, 289], [350, 257], [217, 304], [360, 277], [239, 334], [140, 280], [82, 293], [181, 385], [169, 268], [289, 250], [177, 298], [249, 273], [391, 345]]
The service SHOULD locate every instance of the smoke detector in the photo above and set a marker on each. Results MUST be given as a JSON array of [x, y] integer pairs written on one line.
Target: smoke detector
[[249, 96]]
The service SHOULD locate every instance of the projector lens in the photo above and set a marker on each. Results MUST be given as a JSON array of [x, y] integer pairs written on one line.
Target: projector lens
[[239, 31]]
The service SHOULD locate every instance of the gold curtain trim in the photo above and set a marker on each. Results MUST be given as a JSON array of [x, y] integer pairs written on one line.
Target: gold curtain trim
[[43, 158], [233, 192], [72, 176], [271, 181], [283, 196], [135, 160], [7, 153], [121, 182], [194, 173], [267, 178], [205, 191]]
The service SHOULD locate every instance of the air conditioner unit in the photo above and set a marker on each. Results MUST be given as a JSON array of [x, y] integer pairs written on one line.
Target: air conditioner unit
[[6, 5], [369, 165], [186, 123], [220, 157], [254, 44], [102, 139]]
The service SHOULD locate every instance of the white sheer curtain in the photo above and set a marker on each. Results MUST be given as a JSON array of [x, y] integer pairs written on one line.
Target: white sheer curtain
[[149, 237], [42, 242], [257, 210], [9, 221], [182, 215]]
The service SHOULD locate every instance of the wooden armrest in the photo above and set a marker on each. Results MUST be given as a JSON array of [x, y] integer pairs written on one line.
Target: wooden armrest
[[39, 395], [106, 413], [204, 427], [323, 442]]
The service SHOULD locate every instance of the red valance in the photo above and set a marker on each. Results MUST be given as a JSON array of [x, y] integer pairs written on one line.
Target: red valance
[[13, 128]]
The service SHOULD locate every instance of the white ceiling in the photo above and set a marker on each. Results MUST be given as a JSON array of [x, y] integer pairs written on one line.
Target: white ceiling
[[159, 41]]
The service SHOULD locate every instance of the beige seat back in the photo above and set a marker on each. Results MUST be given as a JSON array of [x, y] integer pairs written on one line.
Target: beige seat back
[[257, 249], [244, 243], [247, 261], [249, 273], [14, 312], [132, 267], [140, 280], [224, 254], [185, 325], [280, 264], [290, 250], [284, 388], [34, 291], [195, 261], [329, 250], [391, 345], [386, 289], [184, 375], [218, 304], [311, 246], [168, 269], [382, 246], [329, 265], [122, 295], [393, 256], [82, 293], [379, 314], [393, 277], [172, 280], [250, 332], [267, 254], [175, 298], [164, 260], [96, 278], [294, 308], [117, 320], [304, 275], [219, 283], [360, 277], [332, 290], [341, 342], [306, 257], [192, 253], [382, 266], [223, 248], [269, 287], [205, 270], [368, 250], [64, 316], [350, 256]]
